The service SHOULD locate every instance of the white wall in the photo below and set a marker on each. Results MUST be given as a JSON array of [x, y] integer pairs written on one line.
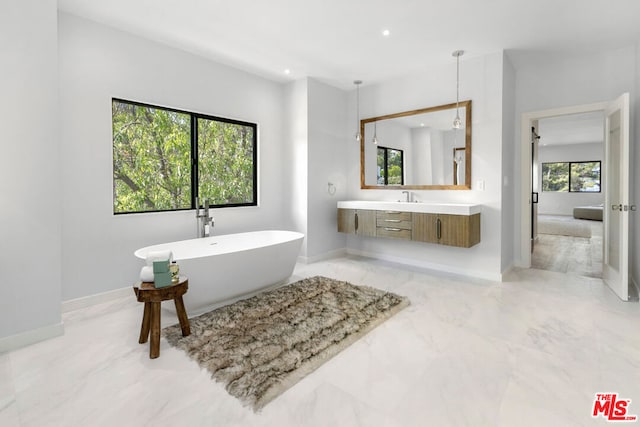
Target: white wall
[[328, 134], [421, 138], [480, 81], [438, 150], [315, 124], [29, 168], [553, 203], [98, 63], [295, 157], [552, 81], [509, 199]]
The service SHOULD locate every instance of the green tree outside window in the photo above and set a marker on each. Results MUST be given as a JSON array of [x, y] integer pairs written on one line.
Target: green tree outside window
[[154, 159], [555, 177], [575, 177], [390, 166]]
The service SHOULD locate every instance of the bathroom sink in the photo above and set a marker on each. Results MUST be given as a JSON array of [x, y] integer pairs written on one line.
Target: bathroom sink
[[424, 207]]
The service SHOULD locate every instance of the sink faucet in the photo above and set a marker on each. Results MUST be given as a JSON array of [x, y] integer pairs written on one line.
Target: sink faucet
[[408, 195], [205, 222]]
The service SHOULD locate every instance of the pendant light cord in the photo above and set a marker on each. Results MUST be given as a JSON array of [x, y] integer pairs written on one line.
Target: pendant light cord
[[457, 123], [357, 83], [457, 85], [358, 109]]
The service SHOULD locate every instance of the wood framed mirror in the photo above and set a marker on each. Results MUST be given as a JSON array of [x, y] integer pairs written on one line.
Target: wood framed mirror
[[417, 150]]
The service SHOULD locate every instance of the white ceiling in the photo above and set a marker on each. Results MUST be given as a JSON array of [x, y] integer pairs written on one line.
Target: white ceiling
[[338, 41], [572, 129]]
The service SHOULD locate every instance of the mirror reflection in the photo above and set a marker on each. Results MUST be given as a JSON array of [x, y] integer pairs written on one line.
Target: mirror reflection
[[417, 149]]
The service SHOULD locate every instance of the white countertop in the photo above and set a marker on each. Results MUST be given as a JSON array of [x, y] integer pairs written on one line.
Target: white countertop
[[423, 207]]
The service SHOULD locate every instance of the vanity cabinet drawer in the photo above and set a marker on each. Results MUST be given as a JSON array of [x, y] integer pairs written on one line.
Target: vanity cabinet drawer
[[393, 216], [394, 232], [394, 223]]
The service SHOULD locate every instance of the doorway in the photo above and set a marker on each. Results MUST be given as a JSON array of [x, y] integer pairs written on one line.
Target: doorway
[[567, 195], [616, 220], [616, 206]]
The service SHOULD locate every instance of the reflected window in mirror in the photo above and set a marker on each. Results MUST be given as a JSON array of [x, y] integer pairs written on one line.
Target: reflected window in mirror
[[421, 147], [390, 168]]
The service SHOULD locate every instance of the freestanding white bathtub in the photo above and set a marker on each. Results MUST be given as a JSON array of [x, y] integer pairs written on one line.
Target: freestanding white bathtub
[[223, 268]]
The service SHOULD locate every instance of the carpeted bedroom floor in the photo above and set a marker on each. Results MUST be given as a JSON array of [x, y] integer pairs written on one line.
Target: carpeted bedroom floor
[[574, 253]]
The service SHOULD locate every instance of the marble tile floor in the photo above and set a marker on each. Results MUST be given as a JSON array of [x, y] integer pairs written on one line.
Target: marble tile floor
[[530, 351]]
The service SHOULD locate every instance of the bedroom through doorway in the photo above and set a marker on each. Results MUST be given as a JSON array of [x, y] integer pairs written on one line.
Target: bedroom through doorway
[[567, 165]]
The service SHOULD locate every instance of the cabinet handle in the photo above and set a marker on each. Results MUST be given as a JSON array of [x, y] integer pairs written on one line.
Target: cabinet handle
[[393, 229], [356, 222], [439, 228], [392, 220]]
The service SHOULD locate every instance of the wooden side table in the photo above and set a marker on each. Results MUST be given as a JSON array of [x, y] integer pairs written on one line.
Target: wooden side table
[[152, 297]]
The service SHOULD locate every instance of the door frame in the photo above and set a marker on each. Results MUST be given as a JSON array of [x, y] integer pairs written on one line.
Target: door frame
[[525, 167]]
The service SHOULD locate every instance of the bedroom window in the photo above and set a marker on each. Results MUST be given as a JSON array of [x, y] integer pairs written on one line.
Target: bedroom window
[[573, 177], [390, 166], [164, 158]]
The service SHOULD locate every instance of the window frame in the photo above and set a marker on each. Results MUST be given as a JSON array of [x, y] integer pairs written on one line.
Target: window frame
[[569, 190], [193, 117], [386, 164]]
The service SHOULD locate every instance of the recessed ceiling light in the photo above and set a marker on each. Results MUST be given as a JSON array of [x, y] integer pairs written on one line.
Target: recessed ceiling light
[[287, 71], [422, 124], [386, 33]]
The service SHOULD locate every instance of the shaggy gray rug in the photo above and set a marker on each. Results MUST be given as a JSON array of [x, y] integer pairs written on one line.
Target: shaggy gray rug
[[261, 346]]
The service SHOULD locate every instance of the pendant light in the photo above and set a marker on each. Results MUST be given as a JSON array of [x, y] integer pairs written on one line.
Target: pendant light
[[375, 133], [357, 83], [457, 122]]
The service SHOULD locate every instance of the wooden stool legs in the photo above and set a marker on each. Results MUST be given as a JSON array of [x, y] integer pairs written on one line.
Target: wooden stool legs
[[151, 296], [182, 316], [146, 322], [151, 324], [154, 348]]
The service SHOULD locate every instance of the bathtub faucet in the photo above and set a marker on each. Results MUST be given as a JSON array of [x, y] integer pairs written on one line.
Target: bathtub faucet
[[205, 222]]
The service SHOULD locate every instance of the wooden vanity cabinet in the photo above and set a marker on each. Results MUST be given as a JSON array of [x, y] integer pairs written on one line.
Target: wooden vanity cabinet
[[445, 229], [393, 224], [357, 221], [425, 228]]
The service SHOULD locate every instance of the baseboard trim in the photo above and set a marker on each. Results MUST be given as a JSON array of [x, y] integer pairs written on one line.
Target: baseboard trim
[[635, 297], [337, 253], [506, 272], [428, 265], [88, 301], [23, 339]]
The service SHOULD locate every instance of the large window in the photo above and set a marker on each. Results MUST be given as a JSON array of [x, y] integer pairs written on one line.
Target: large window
[[575, 177], [390, 166], [163, 159]]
